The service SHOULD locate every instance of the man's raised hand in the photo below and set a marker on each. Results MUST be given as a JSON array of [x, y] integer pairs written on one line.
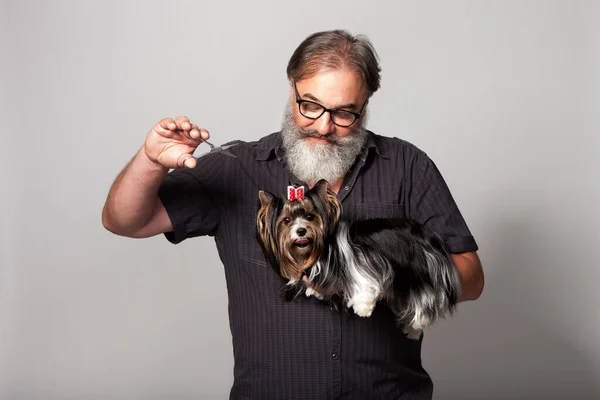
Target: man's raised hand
[[172, 142]]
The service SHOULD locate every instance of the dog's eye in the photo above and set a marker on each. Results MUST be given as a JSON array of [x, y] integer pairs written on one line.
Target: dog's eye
[[310, 217], [287, 220]]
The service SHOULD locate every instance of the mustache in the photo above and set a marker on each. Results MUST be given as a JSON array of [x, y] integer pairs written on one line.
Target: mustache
[[311, 133]]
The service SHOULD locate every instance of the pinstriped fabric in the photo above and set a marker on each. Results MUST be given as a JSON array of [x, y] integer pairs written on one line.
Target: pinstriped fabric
[[304, 349]]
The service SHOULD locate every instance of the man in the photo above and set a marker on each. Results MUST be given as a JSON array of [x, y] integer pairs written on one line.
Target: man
[[301, 349]]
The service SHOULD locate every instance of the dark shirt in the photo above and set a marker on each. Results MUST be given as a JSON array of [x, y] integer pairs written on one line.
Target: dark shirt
[[304, 349]]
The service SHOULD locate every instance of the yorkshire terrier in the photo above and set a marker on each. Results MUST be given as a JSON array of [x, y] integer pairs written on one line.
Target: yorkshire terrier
[[357, 263]]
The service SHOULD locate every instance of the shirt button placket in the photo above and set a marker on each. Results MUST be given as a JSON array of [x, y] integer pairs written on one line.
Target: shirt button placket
[[336, 368]]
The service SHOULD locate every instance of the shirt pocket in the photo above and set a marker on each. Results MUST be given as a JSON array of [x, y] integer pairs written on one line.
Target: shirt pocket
[[247, 242]]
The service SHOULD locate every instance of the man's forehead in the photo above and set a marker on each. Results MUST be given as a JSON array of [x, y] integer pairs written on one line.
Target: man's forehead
[[336, 88]]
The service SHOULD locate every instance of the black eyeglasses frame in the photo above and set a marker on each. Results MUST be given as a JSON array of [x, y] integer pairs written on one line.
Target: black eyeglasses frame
[[331, 111]]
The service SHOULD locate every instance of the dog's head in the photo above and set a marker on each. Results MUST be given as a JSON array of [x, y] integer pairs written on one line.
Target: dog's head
[[293, 233]]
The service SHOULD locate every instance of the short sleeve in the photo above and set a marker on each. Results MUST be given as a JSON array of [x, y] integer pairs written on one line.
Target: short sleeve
[[432, 204], [191, 199]]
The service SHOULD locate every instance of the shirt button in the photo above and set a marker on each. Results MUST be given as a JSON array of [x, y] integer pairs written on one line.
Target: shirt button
[[347, 188], [335, 356]]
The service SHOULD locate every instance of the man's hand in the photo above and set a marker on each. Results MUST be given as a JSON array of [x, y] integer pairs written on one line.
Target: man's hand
[[171, 143]]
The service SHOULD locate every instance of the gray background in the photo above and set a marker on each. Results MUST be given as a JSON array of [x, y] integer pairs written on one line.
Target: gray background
[[503, 95]]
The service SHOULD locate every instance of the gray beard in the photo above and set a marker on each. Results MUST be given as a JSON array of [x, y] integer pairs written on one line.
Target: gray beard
[[311, 162]]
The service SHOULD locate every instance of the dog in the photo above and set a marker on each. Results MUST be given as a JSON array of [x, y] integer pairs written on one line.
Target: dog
[[357, 263]]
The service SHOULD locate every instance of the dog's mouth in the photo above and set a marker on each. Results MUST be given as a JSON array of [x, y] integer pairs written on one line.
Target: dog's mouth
[[302, 242]]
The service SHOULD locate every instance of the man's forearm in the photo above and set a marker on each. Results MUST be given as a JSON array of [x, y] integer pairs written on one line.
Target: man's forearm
[[471, 275], [133, 196]]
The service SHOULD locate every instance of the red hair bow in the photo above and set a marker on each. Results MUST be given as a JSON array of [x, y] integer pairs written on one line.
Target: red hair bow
[[295, 193]]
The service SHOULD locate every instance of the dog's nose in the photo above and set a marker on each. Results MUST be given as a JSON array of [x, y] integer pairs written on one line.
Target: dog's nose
[[301, 231]]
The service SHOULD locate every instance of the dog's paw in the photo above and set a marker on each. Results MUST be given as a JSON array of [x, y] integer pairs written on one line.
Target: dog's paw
[[312, 292], [363, 302], [414, 328], [363, 308], [412, 333]]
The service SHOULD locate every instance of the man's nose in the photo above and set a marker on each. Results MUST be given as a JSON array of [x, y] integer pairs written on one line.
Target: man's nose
[[324, 125]]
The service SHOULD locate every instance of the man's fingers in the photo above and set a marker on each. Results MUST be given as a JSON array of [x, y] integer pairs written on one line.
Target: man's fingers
[[199, 133], [164, 131], [204, 134], [168, 124], [195, 132], [166, 127], [183, 123], [169, 127], [186, 160], [190, 162]]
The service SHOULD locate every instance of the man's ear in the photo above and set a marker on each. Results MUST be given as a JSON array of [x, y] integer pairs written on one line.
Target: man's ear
[[265, 198], [292, 90]]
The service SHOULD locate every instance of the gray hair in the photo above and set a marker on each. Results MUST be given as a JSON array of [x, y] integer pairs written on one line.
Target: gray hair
[[336, 49]]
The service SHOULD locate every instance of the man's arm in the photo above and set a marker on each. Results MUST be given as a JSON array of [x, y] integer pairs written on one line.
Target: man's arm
[[133, 207], [471, 275], [432, 203]]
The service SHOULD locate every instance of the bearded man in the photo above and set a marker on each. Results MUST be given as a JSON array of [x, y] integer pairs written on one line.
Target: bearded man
[[300, 349]]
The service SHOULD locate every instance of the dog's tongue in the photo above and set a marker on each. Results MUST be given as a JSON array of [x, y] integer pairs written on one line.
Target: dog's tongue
[[301, 241]]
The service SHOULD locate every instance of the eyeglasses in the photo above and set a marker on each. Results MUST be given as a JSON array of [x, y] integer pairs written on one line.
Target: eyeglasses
[[312, 110]]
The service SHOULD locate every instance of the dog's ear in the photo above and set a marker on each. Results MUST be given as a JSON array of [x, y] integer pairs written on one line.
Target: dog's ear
[[266, 219], [327, 196], [321, 188], [265, 198]]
